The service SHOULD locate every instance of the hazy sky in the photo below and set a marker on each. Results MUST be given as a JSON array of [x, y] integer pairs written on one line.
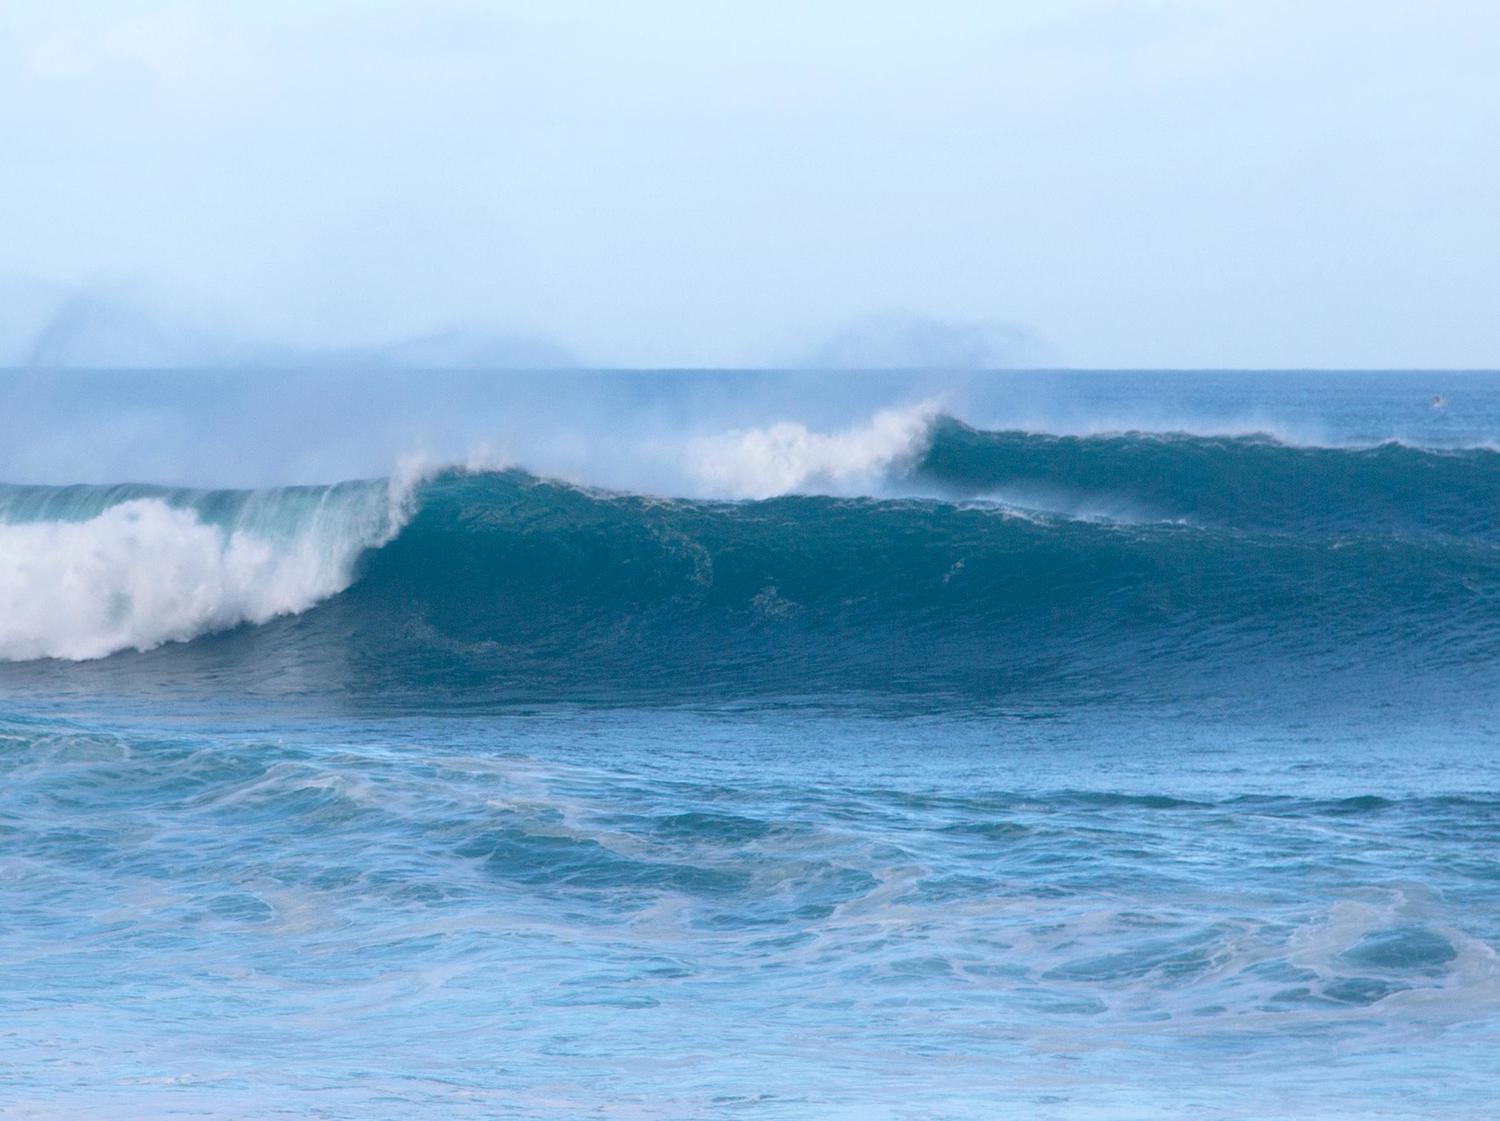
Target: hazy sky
[[1137, 183]]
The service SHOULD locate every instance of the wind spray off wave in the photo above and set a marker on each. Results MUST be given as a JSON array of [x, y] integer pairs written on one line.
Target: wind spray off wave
[[788, 457]]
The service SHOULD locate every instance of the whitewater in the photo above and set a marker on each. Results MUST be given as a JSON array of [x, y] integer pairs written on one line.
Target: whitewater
[[750, 745]]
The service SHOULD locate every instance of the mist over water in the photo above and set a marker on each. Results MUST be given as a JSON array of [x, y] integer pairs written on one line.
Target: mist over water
[[1009, 184], [654, 431]]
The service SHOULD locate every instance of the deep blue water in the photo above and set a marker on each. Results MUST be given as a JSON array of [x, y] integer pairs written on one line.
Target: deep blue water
[[773, 746]]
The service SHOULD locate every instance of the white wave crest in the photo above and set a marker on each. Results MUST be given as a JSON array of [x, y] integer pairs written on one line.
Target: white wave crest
[[147, 571], [790, 458]]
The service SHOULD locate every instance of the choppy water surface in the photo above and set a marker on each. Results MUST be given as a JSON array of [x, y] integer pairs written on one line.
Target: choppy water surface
[[1048, 775]]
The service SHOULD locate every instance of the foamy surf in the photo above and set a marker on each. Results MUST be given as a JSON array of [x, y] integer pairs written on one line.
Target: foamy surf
[[87, 572]]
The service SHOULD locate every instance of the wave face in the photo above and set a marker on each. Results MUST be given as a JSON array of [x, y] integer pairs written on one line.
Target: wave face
[[1115, 565], [1252, 482]]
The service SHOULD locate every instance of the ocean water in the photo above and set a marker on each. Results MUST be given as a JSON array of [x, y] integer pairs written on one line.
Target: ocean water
[[772, 745]]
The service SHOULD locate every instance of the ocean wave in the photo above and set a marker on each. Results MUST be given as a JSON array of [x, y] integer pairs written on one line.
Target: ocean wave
[[973, 559]]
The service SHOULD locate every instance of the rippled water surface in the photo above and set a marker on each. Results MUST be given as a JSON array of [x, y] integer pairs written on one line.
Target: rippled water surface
[[1070, 776], [569, 913]]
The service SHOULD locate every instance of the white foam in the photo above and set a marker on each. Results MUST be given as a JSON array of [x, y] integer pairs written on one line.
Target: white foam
[[145, 572], [790, 458]]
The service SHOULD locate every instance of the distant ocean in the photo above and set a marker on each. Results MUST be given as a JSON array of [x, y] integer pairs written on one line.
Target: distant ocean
[[767, 745]]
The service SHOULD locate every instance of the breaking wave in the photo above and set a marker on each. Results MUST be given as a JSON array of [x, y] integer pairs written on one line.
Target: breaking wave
[[914, 553], [89, 571]]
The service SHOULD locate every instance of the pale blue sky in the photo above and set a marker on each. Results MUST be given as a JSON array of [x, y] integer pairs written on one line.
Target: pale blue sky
[[1132, 183]]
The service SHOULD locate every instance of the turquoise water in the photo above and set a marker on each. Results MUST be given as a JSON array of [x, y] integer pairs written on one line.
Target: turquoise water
[[1003, 758]]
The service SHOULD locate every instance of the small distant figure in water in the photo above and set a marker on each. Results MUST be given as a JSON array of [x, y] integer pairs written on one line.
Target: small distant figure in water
[[1437, 401]]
